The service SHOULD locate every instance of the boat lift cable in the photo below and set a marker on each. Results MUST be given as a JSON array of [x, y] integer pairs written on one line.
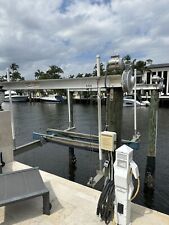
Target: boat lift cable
[[91, 148], [107, 94]]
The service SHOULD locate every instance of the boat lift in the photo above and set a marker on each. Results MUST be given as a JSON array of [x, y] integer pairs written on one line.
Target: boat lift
[[74, 139], [67, 137], [124, 165]]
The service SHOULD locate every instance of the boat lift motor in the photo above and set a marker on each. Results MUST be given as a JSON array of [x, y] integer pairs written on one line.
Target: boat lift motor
[[124, 167]]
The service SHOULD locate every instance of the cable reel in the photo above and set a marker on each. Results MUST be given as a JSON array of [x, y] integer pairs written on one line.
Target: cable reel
[[128, 80]]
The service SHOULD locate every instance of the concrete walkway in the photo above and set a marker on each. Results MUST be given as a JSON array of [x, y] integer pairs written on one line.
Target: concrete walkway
[[72, 204]]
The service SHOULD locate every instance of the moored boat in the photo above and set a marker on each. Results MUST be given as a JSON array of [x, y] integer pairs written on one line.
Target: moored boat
[[15, 97], [128, 100], [52, 99]]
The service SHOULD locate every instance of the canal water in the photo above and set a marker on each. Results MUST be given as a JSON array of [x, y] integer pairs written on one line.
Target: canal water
[[54, 158]]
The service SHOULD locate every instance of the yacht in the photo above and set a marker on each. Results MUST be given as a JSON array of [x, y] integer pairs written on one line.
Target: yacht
[[15, 97], [52, 99]]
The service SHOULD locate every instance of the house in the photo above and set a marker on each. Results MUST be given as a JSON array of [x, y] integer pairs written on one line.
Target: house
[[161, 70]]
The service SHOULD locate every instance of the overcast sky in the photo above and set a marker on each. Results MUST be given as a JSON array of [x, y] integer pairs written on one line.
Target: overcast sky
[[70, 33]]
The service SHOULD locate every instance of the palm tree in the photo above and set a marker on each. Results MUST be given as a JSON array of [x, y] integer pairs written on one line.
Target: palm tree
[[14, 67], [80, 75], [127, 59], [102, 70], [71, 76], [39, 75], [54, 72], [149, 61], [140, 66], [14, 73]]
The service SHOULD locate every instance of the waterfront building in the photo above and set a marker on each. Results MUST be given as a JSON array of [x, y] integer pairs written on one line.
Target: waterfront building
[[161, 70]]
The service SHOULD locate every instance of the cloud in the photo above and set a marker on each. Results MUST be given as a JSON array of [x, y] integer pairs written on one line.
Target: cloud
[[36, 34]]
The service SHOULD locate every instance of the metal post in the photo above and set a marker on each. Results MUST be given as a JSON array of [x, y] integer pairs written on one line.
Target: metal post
[[72, 157], [46, 203], [70, 108], [11, 109], [135, 107], [99, 111]]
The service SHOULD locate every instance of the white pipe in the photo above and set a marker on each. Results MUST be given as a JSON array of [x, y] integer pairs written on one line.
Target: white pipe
[[135, 107], [69, 112], [11, 109], [99, 109]]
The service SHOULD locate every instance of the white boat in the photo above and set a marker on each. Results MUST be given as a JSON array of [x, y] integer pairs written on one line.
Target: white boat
[[15, 97], [52, 99], [128, 100]]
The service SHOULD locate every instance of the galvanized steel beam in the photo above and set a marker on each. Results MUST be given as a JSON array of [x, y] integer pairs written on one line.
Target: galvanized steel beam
[[112, 81], [147, 87], [26, 147]]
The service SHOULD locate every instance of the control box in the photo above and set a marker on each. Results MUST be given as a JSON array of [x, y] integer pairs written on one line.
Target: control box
[[108, 140]]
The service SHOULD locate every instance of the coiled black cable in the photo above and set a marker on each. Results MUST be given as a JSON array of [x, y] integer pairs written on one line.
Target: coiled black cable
[[105, 207]]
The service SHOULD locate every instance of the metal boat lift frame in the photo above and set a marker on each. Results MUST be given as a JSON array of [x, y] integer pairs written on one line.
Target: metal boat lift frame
[[88, 83], [83, 84]]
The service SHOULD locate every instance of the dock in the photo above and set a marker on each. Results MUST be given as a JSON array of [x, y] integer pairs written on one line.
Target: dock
[[72, 204]]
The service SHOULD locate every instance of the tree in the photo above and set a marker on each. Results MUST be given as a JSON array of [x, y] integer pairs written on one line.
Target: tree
[[127, 59], [102, 70], [14, 74], [14, 67], [149, 61], [80, 75], [39, 75], [87, 75], [3, 78], [140, 66], [54, 72], [71, 76]]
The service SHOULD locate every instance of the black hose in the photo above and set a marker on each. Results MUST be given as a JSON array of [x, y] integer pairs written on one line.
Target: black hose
[[105, 207]]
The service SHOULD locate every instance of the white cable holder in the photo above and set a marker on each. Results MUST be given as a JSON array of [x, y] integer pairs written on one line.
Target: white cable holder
[[69, 110], [11, 109], [124, 167], [99, 111], [135, 106]]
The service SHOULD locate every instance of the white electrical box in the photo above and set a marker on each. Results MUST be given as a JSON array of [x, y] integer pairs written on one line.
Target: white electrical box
[[123, 184], [108, 140]]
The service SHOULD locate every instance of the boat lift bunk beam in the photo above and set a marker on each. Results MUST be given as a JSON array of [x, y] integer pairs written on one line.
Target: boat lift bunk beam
[[75, 139], [112, 81]]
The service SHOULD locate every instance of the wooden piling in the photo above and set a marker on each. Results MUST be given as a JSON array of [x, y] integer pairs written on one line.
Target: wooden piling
[[114, 111], [30, 96], [149, 182], [2, 96]]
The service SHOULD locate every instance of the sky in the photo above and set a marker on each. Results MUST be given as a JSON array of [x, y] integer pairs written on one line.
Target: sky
[[70, 33]]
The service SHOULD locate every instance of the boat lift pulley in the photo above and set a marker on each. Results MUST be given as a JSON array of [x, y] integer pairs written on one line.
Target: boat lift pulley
[[127, 80]]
